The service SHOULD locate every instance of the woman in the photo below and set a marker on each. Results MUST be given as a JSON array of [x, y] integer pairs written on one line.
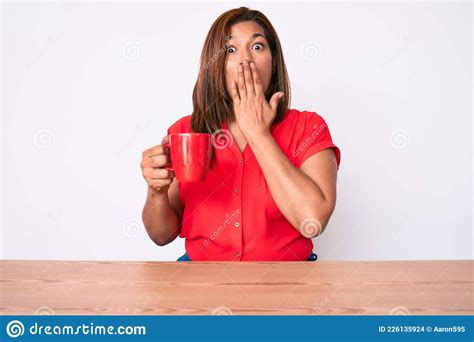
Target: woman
[[272, 183]]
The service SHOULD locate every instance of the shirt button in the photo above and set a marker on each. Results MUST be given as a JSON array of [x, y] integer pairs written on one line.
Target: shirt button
[[237, 224], [236, 190], [241, 161], [237, 255]]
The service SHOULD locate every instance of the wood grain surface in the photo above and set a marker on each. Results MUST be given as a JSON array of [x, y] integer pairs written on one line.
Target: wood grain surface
[[237, 288]]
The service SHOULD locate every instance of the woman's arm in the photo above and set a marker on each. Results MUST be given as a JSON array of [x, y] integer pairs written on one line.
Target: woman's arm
[[162, 214], [304, 196]]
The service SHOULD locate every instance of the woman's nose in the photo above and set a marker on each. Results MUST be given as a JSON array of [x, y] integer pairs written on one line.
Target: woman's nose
[[245, 58]]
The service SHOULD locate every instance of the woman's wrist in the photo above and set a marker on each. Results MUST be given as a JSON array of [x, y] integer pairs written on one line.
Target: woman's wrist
[[157, 196]]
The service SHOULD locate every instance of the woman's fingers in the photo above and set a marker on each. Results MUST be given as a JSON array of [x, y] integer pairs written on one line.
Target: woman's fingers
[[256, 80], [234, 92], [159, 161], [241, 81], [158, 173], [248, 79], [153, 168], [154, 151], [275, 100], [158, 184]]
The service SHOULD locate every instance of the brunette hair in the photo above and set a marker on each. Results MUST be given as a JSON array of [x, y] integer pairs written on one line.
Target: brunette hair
[[211, 103]]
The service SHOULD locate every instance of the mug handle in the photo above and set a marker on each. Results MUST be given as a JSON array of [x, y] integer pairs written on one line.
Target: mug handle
[[168, 145]]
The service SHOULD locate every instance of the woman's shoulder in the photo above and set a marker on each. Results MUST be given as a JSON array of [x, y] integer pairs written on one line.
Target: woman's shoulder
[[308, 134], [300, 121], [303, 115]]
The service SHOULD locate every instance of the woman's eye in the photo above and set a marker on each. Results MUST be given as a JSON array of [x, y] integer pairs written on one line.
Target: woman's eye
[[256, 46]]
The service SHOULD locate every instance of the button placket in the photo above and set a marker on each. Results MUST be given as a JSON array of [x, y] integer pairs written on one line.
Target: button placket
[[238, 193]]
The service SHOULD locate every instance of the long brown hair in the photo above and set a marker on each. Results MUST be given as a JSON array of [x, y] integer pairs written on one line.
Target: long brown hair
[[211, 103]]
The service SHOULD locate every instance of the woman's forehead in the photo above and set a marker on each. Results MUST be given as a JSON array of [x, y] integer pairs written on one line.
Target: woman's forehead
[[246, 29]]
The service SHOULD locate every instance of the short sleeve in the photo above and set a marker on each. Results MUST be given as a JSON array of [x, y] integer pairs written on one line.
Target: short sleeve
[[315, 137]]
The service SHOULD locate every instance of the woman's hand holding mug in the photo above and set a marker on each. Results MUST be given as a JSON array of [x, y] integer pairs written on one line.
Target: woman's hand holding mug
[[153, 165]]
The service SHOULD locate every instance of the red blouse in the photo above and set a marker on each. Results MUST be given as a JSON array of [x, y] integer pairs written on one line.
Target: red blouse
[[232, 215]]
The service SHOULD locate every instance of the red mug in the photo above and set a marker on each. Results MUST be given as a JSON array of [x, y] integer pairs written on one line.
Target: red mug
[[190, 155]]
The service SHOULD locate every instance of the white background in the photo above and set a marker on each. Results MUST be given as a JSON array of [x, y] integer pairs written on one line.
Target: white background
[[87, 87]]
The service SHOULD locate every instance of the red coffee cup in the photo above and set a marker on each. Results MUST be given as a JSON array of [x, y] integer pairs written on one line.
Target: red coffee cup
[[190, 155]]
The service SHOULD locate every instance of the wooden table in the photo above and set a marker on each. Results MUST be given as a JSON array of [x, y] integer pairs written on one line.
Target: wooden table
[[261, 288]]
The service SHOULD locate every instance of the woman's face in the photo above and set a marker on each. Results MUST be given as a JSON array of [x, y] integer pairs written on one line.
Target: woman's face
[[247, 41]]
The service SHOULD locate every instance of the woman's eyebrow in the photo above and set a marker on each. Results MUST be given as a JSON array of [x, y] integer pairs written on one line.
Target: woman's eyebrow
[[255, 35]]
